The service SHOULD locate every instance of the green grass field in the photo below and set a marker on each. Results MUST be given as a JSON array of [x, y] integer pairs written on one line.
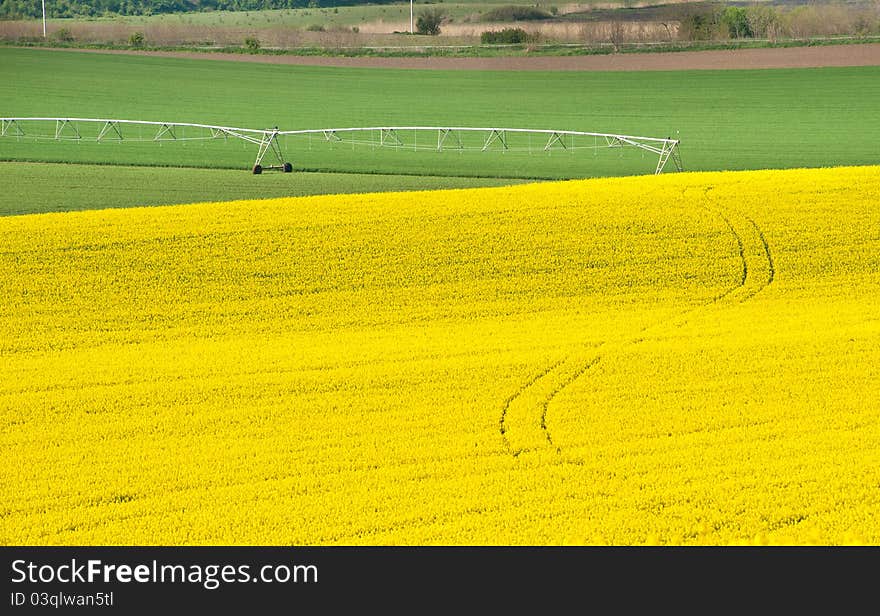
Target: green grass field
[[725, 119], [36, 188]]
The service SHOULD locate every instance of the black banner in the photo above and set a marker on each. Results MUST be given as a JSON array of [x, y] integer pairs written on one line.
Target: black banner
[[243, 580]]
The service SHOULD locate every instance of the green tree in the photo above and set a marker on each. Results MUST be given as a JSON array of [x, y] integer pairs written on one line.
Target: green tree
[[429, 21], [737, 21]]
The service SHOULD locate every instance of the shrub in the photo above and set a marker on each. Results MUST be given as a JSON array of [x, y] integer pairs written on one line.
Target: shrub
[[315, 28], [696, 23], [764, 21], [507, 36], [136, 39], [64, 35], [252, 43], [429, 21], [617, 35]]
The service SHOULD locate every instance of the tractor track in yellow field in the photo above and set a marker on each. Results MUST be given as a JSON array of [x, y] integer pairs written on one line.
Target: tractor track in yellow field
[[524, 414]]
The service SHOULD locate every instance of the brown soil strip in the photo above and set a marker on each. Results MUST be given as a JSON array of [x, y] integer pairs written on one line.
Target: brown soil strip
[[867, 54]]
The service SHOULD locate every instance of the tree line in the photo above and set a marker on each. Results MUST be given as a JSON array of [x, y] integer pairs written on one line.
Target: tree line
[[24, 9]]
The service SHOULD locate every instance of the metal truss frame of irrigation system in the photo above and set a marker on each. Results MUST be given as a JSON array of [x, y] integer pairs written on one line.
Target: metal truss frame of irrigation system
[[436, 138]]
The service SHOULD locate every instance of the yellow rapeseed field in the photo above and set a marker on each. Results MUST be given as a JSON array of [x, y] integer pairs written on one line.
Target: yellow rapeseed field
[[681, 359]]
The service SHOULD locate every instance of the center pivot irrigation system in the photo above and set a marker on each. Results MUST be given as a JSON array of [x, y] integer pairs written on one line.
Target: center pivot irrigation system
[[435, 138]]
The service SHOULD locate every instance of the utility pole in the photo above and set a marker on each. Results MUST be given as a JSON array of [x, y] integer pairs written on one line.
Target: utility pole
[[410, 17], [44, 18]]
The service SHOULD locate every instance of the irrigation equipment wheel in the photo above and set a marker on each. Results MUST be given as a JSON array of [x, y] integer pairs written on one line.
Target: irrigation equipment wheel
[[287, 167], [258, 169]]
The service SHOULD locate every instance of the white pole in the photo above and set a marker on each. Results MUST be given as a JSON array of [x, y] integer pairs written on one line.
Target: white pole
[[410, 16], [44, 18]]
